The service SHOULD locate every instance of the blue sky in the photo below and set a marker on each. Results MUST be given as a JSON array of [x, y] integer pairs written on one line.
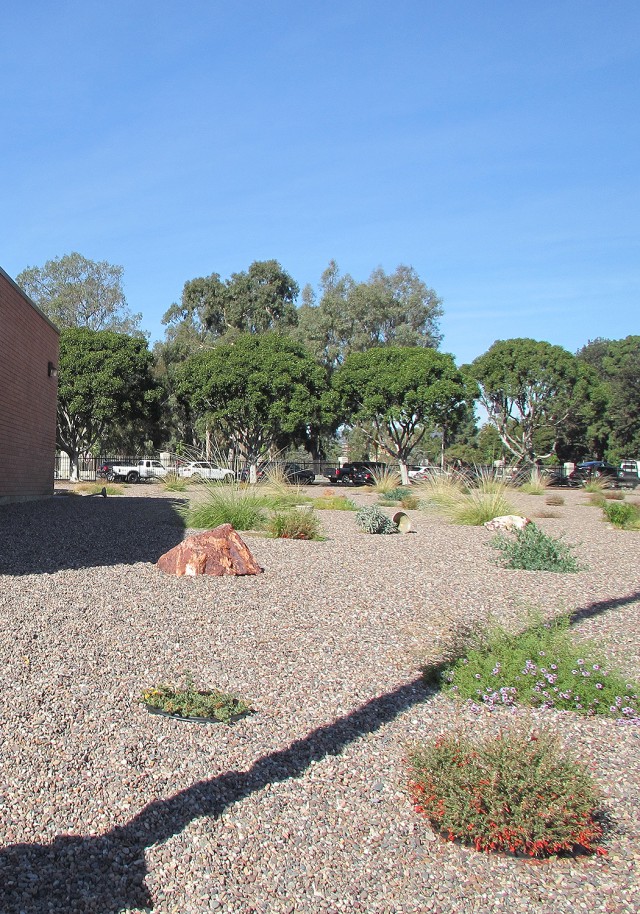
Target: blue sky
[[493, 146]]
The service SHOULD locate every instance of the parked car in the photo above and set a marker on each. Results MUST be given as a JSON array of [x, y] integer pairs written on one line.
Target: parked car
[[595, 469], [419, 471], [297, 474], [357, 473], [629, 473], [201, 469]]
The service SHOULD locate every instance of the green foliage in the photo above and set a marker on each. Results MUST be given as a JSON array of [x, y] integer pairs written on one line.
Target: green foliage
[[373, 520], [623, 515], [242, 507], [104, 380], [75, 292], [531, 549], [174, 483], [187, 701], [397, 494], [512, 793], [389, 309], [536, 484], [294, 525], [527, 388], [262, 391], [542, 668], [400, 392], [334, 503]]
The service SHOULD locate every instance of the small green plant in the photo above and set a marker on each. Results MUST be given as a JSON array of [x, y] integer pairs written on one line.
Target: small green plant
[[95, 488], [242, 507], [397, 494], [622, 514], [174, 483], [543, 668], [409, 502], [595, 486], [536, 484], [386, 479], [373, 520], [476, 508], [187, 701], [554, 499], [531, 549], [294, 525], [514, 793], [333, 502]]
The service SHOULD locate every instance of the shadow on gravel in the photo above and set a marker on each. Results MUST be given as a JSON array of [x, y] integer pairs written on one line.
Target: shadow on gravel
[[601, 607], [83, 532], [104, 875]]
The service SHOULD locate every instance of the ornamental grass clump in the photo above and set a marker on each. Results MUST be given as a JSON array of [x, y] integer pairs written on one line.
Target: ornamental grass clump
[[188, 702], [373, 520], [240, 506], [541, 667], [554, 499], [476, 507], [515, 793], [386, 479], [531, 549], [623, 515], [536, 484], [294, 525], [174, 483]]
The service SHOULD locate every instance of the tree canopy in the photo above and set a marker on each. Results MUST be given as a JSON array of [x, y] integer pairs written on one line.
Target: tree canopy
[[388, 309], [75, 292], [403, 392], [104, 380], [261, 390], [528, 389], [258, 300]]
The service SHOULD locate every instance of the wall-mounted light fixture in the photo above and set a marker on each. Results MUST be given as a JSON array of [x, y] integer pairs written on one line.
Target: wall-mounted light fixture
[[53, 371]]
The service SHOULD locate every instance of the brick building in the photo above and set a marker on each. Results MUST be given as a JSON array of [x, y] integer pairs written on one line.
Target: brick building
[[28, 392]]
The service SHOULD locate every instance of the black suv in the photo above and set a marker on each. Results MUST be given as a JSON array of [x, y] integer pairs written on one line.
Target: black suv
[[357, 473]]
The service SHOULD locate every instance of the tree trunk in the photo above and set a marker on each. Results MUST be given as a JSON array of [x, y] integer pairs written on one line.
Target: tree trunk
[[74, 467], [404, 473], [253, 473]]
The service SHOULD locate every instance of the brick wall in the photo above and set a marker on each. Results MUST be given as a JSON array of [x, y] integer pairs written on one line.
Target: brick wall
[[28, 343]]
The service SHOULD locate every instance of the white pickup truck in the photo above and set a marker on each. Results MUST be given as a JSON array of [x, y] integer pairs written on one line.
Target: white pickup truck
[[143, 469]]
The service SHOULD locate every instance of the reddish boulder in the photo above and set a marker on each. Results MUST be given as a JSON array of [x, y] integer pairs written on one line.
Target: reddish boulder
[[218, 551]]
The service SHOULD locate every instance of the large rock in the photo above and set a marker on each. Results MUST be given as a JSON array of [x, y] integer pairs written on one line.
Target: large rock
[[507, 523], [219, 551]]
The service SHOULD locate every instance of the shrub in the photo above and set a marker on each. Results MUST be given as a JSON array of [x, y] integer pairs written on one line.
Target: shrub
[[410, 502], [512, 793], [542, 668], [396, 494], [623, 515], [545, 513], [373, 520], [187, 701], [531, 549], [294, 525], [595, 486], [241, 507], [614, 495], [332, 502], [554, 499]]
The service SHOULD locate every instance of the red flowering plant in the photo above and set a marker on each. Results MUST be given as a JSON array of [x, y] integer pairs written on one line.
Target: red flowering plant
[[514, 793]]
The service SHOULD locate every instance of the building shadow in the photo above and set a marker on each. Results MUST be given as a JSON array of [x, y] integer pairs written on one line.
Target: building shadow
[[82, 532], [106, 874]]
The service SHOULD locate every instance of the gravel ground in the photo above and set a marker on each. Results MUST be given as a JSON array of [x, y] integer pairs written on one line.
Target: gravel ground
[[301, 807]]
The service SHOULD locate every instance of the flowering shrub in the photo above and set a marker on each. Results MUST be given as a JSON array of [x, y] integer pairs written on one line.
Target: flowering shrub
[[542, 668], [514, 793]]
